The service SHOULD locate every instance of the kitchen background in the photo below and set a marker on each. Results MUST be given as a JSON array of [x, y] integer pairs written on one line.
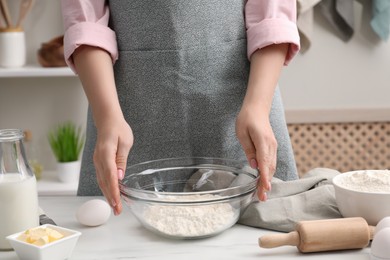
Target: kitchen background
[[334, 81]]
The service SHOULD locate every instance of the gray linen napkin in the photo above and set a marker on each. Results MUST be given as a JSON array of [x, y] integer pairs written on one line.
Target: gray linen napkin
[[308, 198], [340, 15]]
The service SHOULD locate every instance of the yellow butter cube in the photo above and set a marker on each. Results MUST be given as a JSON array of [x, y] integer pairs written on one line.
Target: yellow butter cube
[[53, 234], [41, 241], [23, 237], [40, 236], [35, 234]]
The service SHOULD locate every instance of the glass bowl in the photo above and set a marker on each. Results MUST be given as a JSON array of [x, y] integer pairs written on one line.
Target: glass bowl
[[188, 198]]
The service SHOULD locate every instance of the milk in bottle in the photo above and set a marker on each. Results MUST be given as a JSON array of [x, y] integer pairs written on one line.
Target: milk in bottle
[[18, 188]]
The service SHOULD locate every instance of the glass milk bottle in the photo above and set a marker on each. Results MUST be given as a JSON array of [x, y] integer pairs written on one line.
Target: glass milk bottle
[[18, 187]]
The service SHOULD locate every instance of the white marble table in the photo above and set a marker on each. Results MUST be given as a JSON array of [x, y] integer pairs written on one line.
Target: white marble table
[[122, 237]]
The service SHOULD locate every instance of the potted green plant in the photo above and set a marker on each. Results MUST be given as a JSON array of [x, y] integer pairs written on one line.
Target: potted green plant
[[66, 142]]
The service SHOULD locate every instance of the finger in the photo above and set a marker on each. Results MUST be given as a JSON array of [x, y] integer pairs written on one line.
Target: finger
[[263, 185], [267, 169], [106, 184], [249, 150], [265, 174], [107, 175], [261, 193], [104, 187], [113, 189], [121, 165], [121, 157]]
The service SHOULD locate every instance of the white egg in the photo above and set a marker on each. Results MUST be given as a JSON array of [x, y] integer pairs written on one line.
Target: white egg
[[380, 245], [93, 213], [383, 223]]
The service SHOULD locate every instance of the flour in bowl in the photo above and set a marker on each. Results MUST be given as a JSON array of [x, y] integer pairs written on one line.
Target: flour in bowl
[[367, 181], [190, 220]]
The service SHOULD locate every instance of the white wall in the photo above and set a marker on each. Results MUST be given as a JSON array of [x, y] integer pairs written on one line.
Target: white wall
[[340, 80]]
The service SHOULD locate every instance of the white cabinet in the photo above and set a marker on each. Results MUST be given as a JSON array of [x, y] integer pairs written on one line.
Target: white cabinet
[[38, 98]]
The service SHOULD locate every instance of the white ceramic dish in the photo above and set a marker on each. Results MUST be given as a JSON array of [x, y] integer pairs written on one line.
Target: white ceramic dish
[[57, 250], [371, 205]]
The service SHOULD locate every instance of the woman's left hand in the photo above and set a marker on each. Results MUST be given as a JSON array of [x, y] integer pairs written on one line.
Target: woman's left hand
[[258, 141], [253, 127]]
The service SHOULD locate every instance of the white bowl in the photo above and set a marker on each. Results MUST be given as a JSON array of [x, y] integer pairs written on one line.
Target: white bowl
[[57, 250], [355, 198]]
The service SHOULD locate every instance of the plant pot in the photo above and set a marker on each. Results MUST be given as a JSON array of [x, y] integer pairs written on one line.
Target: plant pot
[[68, 171]]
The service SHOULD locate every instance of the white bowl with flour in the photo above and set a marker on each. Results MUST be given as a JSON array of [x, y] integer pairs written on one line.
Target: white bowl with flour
[[363, 193]]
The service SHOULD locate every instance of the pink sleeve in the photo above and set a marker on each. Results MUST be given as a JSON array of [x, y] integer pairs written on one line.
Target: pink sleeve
[[272, 22], [86, 23]]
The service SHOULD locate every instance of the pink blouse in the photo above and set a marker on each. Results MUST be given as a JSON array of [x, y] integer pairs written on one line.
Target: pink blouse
[[267, 22]]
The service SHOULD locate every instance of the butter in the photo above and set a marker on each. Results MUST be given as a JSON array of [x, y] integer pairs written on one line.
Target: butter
[[53, 234], [41, 241], [40, 236]]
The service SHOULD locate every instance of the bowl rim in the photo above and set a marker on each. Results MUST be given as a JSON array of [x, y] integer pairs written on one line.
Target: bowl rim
[[72, 234], [215, 199], [335, 181], [252, 184]]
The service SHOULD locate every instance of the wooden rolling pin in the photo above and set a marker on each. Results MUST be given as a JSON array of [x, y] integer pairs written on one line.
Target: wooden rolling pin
[[323, 235]]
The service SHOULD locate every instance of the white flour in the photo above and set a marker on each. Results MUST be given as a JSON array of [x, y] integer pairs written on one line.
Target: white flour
[[190, 221], [368, 181]]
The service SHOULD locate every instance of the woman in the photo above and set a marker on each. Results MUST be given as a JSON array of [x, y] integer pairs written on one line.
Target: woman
[[190, 78]]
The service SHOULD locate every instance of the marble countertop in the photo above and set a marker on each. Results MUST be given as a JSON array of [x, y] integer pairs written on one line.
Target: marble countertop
[[122, 237]]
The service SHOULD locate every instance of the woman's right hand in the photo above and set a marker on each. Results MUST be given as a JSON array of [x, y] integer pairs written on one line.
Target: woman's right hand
[[114, 135], [114, 141]]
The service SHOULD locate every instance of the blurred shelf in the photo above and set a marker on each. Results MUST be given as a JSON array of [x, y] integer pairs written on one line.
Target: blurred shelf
[[49, 185], [36, 71]]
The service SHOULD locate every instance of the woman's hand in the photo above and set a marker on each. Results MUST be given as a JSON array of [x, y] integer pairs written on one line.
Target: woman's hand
[[114, 141], [255, 134], [253, 128], [114, 135]]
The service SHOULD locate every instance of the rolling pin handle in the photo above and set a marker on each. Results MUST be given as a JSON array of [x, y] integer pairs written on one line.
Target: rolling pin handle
[[276, 240], [372, 231]]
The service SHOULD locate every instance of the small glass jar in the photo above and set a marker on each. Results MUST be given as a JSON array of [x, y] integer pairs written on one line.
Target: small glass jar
[[19, 208]]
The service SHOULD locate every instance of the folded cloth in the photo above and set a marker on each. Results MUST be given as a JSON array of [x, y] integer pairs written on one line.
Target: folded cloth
[[305, 18], [340, 14], [309, 198], [380, 21]]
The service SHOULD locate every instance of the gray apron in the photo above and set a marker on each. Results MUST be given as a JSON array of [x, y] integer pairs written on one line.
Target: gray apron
[[181, 78]]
